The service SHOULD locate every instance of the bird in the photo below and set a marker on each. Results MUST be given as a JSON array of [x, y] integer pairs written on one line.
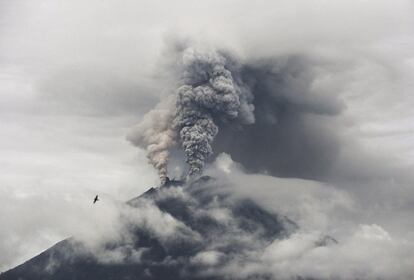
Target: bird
[[96, 199]]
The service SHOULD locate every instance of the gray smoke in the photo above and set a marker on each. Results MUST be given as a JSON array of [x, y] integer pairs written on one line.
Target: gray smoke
[[155, 134], [265, 114], [295, 133], [211, 92]]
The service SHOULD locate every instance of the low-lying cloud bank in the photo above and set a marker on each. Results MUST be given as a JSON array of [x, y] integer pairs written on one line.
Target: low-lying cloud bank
[[363, 251], [316, 234]]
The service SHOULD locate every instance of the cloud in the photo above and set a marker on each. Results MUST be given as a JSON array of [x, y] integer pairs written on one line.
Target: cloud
[[360, 250], [203, 227], [368, 253]]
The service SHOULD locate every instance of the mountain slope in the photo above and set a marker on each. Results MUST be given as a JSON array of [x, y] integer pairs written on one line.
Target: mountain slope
[[212, 229]]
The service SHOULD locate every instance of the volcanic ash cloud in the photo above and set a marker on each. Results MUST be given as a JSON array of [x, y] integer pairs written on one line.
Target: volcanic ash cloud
[[209, 92]]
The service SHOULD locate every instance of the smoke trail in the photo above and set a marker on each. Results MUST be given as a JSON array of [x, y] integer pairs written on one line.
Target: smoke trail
[[211, 91], [155, 134]]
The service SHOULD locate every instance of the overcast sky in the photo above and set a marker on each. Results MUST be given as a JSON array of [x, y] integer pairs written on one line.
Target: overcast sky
[[75, 77]]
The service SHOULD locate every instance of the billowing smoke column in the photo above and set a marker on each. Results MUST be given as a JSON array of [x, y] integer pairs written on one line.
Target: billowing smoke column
[[210, 91], [156, 135]]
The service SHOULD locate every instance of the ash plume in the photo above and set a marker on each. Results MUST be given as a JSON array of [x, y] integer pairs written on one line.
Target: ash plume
[[209, 92], [155, 134], [295, 133]]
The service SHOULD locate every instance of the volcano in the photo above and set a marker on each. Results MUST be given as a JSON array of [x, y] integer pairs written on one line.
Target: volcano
[[215, 229]]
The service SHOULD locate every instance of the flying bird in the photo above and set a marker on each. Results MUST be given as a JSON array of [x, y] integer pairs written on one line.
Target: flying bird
[[96, 199]]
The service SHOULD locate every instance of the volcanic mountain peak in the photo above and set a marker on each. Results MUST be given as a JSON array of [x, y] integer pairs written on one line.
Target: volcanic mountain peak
[[201, 229]]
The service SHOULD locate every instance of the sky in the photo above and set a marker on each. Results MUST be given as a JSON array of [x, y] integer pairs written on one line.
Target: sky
[[76, 77]]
